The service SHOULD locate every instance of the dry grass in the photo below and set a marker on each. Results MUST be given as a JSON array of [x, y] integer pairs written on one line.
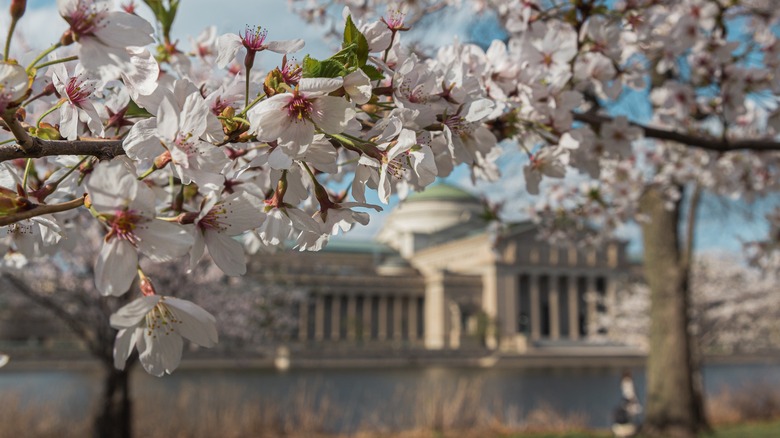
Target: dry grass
[[193, 412], [753, 403], [20, 420]]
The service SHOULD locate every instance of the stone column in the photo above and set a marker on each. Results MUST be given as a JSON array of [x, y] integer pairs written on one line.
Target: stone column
[[555, 314], [319, 318], [591, 298], [351, 317], [574, 309], [507, 305], [335, 318], [536, 320], [611, 297], [490, 304], [303, 319], [367, 299], [382, 319], [398, 318], [435, 322], [412, 319]]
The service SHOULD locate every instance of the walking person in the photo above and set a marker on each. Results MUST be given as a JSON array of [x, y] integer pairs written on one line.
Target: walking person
[[625, 419]]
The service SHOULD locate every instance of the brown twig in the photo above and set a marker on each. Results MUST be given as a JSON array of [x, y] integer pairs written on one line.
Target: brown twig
[[39, 210], [27, 146]]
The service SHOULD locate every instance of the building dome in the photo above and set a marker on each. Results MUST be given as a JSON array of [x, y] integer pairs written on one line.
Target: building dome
[[438, 208], [442, 192]]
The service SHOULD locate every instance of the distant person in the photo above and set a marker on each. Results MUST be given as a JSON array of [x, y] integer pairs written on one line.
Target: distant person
[[628, 393], [623, 425], [625, 418]]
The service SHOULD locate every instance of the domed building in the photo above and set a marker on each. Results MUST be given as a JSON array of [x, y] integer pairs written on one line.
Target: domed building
[[439, 277]]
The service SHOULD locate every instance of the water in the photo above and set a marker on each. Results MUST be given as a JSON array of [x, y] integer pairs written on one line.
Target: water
[[392, 398]]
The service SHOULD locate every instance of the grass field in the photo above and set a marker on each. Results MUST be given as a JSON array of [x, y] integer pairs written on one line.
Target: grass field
[[754, 430]]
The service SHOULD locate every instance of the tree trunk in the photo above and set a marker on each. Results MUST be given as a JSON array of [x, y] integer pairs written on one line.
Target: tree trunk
[[114, 415], [673, 409]]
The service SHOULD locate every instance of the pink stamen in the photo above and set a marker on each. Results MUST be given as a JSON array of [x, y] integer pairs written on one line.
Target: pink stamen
[[85, 19], [253, 39], [77, 92], [291, 72], [299, 107], [395, 20], [122, 225], [211, 221]]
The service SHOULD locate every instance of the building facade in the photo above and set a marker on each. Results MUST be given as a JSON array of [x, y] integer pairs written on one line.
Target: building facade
[[439, 277]]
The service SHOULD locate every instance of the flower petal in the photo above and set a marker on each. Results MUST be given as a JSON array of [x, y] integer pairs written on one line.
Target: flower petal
[[159, 352], [133, 313], [198, 325], [227, 46], [116, 267], [286, 46], [227, 253], [163, 241], [123, 346]]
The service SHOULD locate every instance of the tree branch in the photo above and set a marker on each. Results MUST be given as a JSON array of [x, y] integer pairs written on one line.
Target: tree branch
[[72, 321], [711, 144], [28, 146], [39, 210]]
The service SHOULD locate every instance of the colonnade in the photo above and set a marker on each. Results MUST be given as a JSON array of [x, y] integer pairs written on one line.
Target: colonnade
[[353, 317], [555, 306]]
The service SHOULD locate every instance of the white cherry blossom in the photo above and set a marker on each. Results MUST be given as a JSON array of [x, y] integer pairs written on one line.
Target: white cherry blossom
[[127, 210], [155, 326], [111, 42]]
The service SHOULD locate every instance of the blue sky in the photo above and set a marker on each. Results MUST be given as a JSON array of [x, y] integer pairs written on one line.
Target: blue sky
[[723, 223]]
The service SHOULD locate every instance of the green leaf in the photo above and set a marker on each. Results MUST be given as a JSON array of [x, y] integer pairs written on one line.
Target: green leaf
[[331, 69], [328, 68], [133, 110], [310, 66], [372, 72], [353, 36]]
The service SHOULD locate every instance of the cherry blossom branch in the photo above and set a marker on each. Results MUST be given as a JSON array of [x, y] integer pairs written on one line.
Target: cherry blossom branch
[[39, 210], [28, 146], [712, 144]]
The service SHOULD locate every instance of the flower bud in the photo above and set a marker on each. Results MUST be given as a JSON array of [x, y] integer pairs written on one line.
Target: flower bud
[[17, 8], [67, 38], [11, 202], [49, 89], [147, 288], [162, 160]]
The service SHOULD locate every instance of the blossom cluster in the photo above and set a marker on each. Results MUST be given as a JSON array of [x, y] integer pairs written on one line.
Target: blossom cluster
[[179, 152]]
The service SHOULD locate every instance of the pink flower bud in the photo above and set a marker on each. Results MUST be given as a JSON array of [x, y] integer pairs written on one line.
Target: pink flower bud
[[17, 8]]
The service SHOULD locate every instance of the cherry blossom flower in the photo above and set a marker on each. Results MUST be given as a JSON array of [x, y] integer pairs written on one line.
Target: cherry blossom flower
[[292, 118], [180, 132], [111, 42], [618, 136], [253, 40], [401, 157], [76, 91], [126, 208], [546, 162], [155, 326], [216, 225]]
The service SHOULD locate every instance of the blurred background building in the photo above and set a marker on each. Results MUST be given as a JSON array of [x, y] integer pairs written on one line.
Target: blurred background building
[[441, 277]]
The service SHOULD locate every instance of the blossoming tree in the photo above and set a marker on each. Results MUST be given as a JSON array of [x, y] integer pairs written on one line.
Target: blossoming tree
[[248, 312], [177, 152]]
